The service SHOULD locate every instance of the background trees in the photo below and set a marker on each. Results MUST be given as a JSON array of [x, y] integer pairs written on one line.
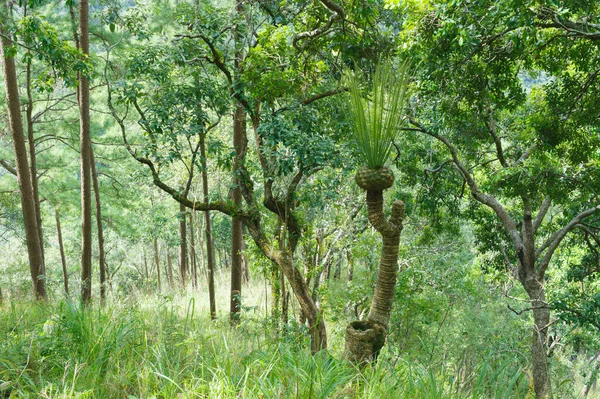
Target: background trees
[[496, 167]]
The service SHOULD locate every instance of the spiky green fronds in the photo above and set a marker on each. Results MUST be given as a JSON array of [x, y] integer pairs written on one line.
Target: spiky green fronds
[[378, 118]]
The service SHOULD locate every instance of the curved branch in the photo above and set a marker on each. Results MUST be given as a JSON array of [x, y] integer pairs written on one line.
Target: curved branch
[[554, 241], [508, 222]]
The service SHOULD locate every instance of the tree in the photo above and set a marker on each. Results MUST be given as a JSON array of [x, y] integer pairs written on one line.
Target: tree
[[34, 246], [516, 141], [83, 93], [376, 123]]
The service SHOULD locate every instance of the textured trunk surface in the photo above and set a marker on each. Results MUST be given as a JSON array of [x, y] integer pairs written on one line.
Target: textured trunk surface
[[539, 339], [237, 228], [364, 339], [85, 150], [182, 245], [63, 260], [32, 234], [33, 166]]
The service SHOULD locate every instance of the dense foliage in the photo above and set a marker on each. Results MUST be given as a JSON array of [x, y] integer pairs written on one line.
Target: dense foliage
[[203, 112]]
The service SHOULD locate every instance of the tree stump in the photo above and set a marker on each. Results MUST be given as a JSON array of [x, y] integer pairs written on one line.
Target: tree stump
[[364, 340]]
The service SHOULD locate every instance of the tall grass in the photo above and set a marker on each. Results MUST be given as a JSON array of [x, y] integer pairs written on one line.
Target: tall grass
[[168, 350]]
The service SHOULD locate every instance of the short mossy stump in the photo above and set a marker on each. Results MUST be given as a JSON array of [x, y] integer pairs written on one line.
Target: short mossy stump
[[377, 179]]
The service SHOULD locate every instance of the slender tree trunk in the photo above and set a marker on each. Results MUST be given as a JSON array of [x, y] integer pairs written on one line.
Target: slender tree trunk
[[157, 261], [313, 314], [85, 149], [337, 274], [62, 253], [34, 248], [1, 297], [284, 301], [239, 144], [101, 254], [33, 166], [146, 276], [364, 339], [194, 270], [182, 245], [237, 236], [245, 265], [275, 294], [169, 268]]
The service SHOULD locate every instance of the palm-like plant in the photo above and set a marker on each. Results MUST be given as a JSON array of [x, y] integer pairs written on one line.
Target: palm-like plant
[[377, 120]]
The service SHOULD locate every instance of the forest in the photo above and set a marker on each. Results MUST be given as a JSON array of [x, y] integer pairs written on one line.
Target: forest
[[300, 199]]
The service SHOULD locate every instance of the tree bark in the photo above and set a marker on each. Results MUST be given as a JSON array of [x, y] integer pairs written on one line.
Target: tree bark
[[157, 262], [237, 235], [210, 258], [145, 267], [85, 149], [63, 260], [33, 166], [182, 245], [169, 268], [194, 270], [101, 254], [364, 339], [539, 340], [32, 235]]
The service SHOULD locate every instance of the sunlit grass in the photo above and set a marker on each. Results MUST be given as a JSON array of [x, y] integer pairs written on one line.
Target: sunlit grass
[[151, 345]]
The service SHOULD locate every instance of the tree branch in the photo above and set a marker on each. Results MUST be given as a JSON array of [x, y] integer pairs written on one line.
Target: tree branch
[[508, 222], [554, 241]]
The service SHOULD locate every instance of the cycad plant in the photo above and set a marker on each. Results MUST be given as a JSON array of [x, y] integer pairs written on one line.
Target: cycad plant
[[376, 122]]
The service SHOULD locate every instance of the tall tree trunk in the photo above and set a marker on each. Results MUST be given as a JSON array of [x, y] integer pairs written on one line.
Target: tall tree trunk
[[237, 235], [313, 314], [275, 294], [32, 235], [101, 254], [169, 268], [194, 269], [284, 301], [33, 166], [539, 340], [157, 261], [239, 144], [182, 245], [146, 276], [364, 339], [245, 265], [85, 149], [61, 247]]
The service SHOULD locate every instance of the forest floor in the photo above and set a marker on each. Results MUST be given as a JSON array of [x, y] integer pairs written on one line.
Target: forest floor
[[147, 345]]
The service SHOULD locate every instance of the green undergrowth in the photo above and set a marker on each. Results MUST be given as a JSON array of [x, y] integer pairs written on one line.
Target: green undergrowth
[[166, 349]]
